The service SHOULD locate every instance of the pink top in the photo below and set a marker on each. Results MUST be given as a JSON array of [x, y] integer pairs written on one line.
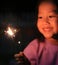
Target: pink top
[[43, 53]]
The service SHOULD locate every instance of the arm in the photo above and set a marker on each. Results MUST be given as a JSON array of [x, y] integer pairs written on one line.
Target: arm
[[21, 59], [31, 52], [29, 55]]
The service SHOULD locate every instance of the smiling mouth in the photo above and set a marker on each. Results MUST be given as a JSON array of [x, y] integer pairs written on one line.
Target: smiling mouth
[[48, 29]]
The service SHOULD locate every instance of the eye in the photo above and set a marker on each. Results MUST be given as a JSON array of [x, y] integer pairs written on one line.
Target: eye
[[51, 16], [40, 17]]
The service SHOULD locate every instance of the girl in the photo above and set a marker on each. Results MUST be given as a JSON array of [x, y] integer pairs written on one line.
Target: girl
[[45, 52]]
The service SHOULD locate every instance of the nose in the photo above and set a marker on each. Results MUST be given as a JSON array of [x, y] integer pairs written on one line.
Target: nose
[[46, 21]]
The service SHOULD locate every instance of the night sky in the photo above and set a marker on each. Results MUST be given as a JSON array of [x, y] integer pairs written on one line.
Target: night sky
[[17, 6], [15, 11], [20, 15]]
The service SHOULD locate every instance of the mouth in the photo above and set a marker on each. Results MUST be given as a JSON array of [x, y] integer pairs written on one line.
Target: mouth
[[47, 29]]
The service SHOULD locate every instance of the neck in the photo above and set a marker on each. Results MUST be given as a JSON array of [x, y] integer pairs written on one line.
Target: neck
[[53, 41]]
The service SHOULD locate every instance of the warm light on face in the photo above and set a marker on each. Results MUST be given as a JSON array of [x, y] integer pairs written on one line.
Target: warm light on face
[[11, 32], [47, 19]]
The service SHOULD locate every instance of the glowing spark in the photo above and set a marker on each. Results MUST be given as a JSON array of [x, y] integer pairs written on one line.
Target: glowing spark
[[11, 32], [19, 42]]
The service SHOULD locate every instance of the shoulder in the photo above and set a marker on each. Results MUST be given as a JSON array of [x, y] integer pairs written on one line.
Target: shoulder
[[31, 49], [33, 43]]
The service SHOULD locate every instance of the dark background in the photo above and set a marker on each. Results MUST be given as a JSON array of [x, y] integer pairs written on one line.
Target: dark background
[[17, 6], [21, 15]]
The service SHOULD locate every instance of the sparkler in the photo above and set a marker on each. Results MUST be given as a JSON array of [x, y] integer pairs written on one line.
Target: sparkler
[[10, 32]]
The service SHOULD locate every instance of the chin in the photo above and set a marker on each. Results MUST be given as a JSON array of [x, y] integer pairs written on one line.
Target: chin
[[48, 36]]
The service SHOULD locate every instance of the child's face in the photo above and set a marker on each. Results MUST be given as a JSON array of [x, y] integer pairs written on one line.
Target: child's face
[[47, 20]]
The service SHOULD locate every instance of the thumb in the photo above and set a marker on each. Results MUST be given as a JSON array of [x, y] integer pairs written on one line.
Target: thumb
[[19, 54]]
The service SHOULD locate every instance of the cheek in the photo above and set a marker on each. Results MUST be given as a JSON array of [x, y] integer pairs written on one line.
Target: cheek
[[55, 26], [39, 25]]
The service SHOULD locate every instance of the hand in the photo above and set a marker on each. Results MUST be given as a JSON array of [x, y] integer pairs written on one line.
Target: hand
[[21, 59]]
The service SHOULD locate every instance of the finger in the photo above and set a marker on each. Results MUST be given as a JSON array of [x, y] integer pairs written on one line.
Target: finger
[[16, 59], [20, 62], [19, 54]]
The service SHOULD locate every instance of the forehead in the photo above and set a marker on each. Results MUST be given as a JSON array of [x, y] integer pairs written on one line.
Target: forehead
[[46, 6]]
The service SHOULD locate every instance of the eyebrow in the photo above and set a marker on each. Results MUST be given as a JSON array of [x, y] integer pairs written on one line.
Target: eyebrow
[[55, 11]]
